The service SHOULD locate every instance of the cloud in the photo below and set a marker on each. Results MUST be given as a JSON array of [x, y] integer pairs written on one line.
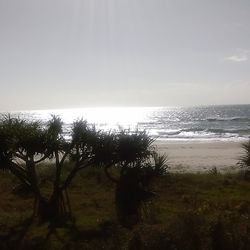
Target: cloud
[[237, 58], [241, 55]]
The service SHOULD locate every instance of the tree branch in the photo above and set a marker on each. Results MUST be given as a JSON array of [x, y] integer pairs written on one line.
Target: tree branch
[[108, 174], [41, 159], [20, 173], [64, 157], [73, 173], [66, 153], [31, 172], [20, 156]]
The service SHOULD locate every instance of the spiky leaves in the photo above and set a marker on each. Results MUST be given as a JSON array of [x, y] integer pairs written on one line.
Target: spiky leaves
[[160, 164], [84, 140], [20, 140], [245, 158], [54, 136], [133, 147]]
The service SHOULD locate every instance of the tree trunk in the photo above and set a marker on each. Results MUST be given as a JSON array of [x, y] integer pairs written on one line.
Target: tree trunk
[[127, 199], [55, 210], [130, 196]]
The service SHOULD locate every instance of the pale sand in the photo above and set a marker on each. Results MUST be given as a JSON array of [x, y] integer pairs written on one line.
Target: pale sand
[[198, 156]]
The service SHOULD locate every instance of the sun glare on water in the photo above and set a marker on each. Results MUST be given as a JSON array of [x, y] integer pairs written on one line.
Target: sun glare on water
[[105, 118]]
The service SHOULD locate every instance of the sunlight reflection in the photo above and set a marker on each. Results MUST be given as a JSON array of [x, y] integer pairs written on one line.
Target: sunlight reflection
[[105, 118], [171, 123]]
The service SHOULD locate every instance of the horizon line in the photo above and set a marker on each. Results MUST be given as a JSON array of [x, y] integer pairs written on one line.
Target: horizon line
[[120, 107]]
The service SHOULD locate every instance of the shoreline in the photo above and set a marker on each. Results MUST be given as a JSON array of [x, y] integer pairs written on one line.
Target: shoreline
[[201, 156]]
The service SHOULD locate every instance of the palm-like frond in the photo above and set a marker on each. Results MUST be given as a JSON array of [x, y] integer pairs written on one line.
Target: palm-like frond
[[244, 160], [133, 147], [160, 163]]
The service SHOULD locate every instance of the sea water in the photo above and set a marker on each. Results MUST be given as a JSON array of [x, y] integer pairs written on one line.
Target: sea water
[[229, 122]]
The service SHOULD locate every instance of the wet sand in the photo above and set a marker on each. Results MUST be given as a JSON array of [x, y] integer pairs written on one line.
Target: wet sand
[[200, 156]]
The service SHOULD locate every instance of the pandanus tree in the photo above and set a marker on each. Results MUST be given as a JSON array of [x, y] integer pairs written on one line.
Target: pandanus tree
[[137, 163], [25, 144]]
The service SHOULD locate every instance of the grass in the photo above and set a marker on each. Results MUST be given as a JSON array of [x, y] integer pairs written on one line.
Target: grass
[[191, 211]]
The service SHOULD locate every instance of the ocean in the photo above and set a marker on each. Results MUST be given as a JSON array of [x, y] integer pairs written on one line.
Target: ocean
[[229, 122]]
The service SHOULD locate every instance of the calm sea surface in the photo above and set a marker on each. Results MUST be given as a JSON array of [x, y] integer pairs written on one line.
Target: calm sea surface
[[231, 122]]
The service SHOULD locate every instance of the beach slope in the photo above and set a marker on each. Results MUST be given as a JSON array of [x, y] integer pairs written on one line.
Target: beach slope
[[200, 156]]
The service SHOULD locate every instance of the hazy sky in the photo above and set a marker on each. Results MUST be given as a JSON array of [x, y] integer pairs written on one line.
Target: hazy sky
[[76, 53]]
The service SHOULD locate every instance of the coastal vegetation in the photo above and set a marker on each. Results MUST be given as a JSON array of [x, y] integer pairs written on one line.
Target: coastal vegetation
[[27, 144], [98, 190], [190, 211]]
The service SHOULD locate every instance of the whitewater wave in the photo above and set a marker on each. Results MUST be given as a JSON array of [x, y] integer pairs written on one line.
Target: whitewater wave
[[205, 133], [239, 119]]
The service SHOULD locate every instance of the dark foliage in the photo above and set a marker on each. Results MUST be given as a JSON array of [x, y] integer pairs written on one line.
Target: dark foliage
[[245, 158], [138, 164], [25, 144]]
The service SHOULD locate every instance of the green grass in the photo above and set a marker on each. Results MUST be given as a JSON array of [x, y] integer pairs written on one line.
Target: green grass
[[191, 211]]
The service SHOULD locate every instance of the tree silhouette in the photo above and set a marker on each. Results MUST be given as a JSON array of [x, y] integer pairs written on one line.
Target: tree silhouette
[[26, 144], [138, 164]]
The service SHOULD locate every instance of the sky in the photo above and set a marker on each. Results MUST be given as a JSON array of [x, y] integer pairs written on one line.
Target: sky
[[87, 53]]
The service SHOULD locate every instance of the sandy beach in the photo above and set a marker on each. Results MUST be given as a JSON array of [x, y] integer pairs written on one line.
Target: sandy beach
[[200, 156]]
